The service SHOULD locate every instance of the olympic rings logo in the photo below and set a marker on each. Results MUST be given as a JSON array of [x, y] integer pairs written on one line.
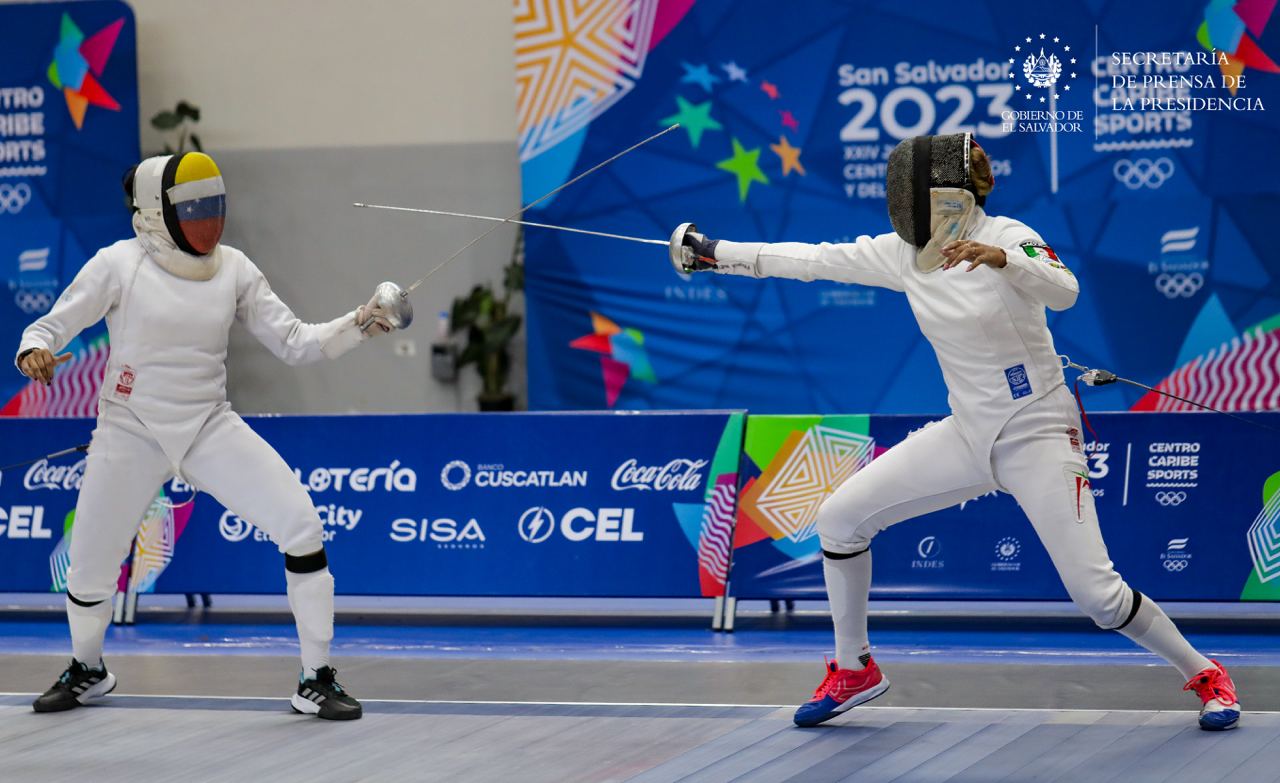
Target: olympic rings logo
[[33, 301], [1143, 172], [1179, 284], [14, 197], [1170, 498], [1174, 566]]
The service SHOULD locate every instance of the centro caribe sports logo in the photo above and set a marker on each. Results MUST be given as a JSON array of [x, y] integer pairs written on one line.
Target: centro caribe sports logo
[[455, 475], [1042, 71], [78, 63]]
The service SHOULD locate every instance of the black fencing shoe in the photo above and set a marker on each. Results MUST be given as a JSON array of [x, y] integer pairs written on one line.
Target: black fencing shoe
[[77, 685], [323, 696]]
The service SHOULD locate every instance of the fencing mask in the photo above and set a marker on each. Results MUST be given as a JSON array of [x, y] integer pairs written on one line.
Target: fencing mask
[[933, 185], [181, 205]]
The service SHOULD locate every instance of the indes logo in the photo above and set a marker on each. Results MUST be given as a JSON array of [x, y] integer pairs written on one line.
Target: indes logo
[[42, 475], [930, 550], [78, 63], [678, 475]]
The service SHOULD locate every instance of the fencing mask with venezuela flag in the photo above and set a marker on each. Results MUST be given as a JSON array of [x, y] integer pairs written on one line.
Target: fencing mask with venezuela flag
[[181, 205]]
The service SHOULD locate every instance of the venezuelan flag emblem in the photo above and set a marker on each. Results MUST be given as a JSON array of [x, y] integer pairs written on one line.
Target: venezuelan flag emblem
[[196, 202]]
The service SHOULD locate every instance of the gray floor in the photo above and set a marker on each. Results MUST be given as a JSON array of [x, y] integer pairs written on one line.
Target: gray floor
[[546, 720], [771, 683], [132, 738]]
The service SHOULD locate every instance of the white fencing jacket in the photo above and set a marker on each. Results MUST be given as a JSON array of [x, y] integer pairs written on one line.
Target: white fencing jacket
[[169, 335], [987, 327]]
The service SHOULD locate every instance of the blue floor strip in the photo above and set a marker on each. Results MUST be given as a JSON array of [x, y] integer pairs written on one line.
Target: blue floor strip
[[1088, 646]]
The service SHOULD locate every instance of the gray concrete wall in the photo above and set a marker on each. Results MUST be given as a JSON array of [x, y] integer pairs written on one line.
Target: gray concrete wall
[[290, 211], [312, 104]]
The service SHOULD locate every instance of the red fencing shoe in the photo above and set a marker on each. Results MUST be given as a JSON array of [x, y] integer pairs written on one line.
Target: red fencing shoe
[[841, 690]]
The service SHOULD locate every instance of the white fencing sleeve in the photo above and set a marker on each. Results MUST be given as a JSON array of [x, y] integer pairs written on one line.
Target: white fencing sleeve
[[1035, 269], [872, 261], [285, 335], [94, 291]]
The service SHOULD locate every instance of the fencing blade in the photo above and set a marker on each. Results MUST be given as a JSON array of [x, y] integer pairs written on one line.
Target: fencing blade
[[512, 221], [526, 207]]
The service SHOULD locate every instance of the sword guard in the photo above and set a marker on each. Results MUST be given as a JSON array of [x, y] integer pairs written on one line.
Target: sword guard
[[394, 303], [682, 257]]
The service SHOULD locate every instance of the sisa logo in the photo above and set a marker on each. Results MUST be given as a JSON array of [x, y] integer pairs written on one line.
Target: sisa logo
[[580, 524], [679, 475], [445, 533], [24, 522]]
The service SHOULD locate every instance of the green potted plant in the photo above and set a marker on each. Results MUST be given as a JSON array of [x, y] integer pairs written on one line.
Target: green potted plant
[[179, 121], [486, 317]]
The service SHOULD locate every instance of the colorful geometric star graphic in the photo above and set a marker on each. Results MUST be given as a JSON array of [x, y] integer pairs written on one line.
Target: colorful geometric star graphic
[[745, 165], [698, 74], [77, 61], [736, 72], [770, 89], [789, 155], [1223, 28], [622, 355], [694, 118]]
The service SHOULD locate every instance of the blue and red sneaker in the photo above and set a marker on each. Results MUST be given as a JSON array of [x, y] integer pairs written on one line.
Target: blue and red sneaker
[[841, 690], [1221, 710]]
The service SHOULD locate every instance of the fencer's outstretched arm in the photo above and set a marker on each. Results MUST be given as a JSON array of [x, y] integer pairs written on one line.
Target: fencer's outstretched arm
[[872, 261], [285, 335], [94, 291]]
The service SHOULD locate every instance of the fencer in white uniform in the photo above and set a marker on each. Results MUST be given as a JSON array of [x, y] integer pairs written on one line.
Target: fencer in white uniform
[[169, 296], [1014, 426]]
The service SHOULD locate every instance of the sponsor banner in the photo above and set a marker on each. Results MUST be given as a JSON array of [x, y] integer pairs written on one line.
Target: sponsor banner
[[1135, 138], [68, 131], [1189, 506], [660, 504], [510, 504]]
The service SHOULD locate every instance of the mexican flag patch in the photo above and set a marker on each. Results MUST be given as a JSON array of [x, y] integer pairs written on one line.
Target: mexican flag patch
[[1041, 251]]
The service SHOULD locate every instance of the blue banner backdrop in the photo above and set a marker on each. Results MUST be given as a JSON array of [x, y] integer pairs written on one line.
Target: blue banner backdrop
[[788, 111], [534, 504], [68, 132], [642, 505], [1189, 505]]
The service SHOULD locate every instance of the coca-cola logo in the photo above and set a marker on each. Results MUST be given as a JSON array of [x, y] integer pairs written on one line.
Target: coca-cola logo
[[678, 475], [42, 475]]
